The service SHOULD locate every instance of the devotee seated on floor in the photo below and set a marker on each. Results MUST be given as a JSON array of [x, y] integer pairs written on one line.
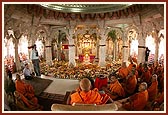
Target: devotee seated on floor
[[153, 88], [84, 95], [25, 89], [9, 85], [130, 83], [123, 71], [115, 90], [130, 64], [137, 101], [27, 72], [158, 103], [139, 69], [24, 104], [146, 75]]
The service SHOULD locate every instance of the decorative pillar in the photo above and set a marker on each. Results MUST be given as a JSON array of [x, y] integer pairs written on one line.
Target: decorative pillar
[[70, 32], [141, 41], [102, 43], [72, 52], [157, 42], [48, 51], [17, 61], [7, 49], [102, 51], [125, 49], [31, 41], [141, 51], [97, 48], [115, 50]]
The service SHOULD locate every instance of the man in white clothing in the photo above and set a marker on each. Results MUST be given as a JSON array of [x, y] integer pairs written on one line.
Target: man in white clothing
[[35, 60]]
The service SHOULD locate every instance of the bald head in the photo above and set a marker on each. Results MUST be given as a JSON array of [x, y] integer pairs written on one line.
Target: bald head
[[154, 76], [143, 86], [85, 84]]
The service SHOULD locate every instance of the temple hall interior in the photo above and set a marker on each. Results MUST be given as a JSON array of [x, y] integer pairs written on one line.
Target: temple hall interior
[[50, 49]]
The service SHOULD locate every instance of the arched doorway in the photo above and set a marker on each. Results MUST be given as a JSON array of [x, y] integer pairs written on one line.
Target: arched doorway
[[86, 46], [150, 43], [23, 48]]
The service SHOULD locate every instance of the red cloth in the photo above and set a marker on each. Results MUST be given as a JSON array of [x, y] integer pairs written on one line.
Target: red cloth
[[100, 82]]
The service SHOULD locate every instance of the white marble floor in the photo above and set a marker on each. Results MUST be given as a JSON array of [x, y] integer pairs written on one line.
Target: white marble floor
[[60, 86]]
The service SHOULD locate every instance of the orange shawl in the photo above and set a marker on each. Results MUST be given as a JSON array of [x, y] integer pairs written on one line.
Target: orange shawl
[[116, 89], [90, 97]]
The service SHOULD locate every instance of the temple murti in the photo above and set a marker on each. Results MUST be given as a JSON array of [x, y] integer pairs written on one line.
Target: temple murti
[[84, 40]]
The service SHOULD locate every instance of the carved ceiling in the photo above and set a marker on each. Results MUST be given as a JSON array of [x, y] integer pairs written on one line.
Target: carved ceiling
[[86, 8], [87, 16]]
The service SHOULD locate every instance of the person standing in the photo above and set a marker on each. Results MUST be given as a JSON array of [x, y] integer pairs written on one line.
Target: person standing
[[147, 54], [35, 60]]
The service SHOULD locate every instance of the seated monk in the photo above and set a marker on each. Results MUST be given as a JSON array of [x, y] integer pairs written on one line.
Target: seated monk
[[158, 102], [25, 89], [86, 96], [130, 84], [146, 75], [115, 90], [123, 71], [131, 64], [138, 101], [22, 103], [139, 69], [153, 89]]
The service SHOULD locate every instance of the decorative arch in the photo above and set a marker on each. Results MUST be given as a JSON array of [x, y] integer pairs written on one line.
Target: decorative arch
[[132, 39], [132, 27], [42, 29], [119, 32]]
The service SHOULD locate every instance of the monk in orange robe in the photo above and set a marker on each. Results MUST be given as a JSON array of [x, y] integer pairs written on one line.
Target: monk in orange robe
[[153, 89], [138, 101], [146, 75], [25, 89], [115, 90], [158, 102], [85, 95], [130, 84], [134, 69], [131, 64], [24, 104], [123, 71], [160, 98], [140, 70]]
